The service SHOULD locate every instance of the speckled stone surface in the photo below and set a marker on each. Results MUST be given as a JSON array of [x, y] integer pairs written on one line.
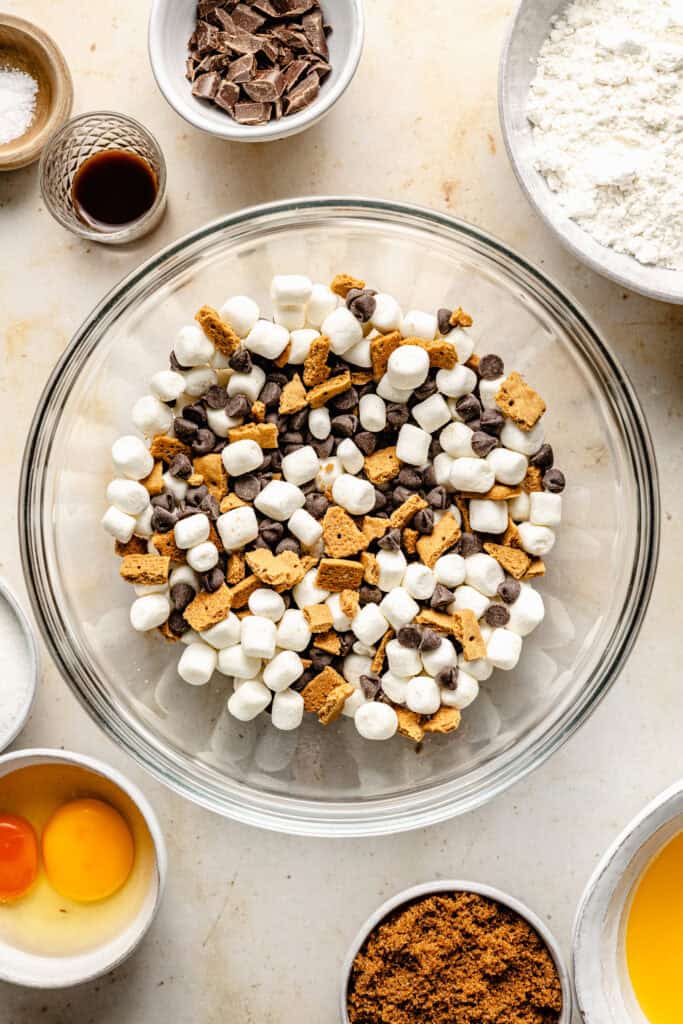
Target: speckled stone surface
[[254, 926]]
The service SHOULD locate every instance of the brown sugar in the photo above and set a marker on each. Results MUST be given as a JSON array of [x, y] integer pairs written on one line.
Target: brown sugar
[[454, 958]]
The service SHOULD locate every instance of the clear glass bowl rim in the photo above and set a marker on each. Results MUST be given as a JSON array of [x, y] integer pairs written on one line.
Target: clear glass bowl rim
[[426, 805]]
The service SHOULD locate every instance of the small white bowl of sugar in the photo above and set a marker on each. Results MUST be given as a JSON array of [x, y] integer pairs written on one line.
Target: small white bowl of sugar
[[18, 667]]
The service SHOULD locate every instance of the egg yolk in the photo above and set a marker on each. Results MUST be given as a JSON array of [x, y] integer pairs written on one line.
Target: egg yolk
[[18, 857], [88, 850]]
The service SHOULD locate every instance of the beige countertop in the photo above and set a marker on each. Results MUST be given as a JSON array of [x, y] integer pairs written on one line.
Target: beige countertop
[[254, 925]]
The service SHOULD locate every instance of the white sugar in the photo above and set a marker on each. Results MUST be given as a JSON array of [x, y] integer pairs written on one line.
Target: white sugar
[[18, 91], [16, 680]]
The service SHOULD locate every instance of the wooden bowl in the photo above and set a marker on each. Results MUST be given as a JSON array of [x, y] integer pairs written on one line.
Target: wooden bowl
[[27, 48]]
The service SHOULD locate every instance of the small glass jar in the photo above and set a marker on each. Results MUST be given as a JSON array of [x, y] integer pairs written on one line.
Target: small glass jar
[[82, 138]]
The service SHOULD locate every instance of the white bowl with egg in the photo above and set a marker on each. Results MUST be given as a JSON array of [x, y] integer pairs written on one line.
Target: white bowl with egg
[[24, 955], [20, 667]]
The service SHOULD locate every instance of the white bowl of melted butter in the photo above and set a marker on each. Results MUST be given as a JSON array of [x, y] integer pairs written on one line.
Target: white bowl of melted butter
[[48, 939]]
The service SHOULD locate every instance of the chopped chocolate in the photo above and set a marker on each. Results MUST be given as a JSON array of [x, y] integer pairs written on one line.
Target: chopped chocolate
[[206, 86], [252, 113]]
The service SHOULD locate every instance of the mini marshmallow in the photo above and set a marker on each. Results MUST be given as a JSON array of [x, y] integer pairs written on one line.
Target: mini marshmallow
[[536, 540], [369, 624], [300, 341], [386, 390], [293, 633], [442, 465], [355, 495], [398, 608], [343, 330], [456, 382], [192, 531], [291, 289], [417, 324], [321, 303], [151, 416], [292, 318], [152, 588], [456, 439], [359, 355], [465, 693], [301, 466], [128, 496], [203, 557], [519, 507], [392, 566], [423, 695], [355, 666], [330, 470], [509, 467], [241, 313], [488, 516], [175, 485], [249, 384], [220, 422], [450, 570], [149, 612], [545, 509], [220, 361], [403, 661], [432, 413], [350, 456], [340, 621], [237, 527], [278, 500], [484, 574], [412, 445], [305, 528], [359, 648], [131, 458], [503, 649], [443, 657], [527, 612], [307, 592], [488, 389], [395, 687], [481, 669], [143, 523], [267, 339], [190, 637], [525, 441], [287, 711], [375, 721], [267, 603], [199, 380], [118, 524], [282, 671], [353, 702], [192, 347], [468, 597], [258, 636], [408, 367], [247, 702], [387, 316], [167, 385], [463, 343], [224, 634], [232, 661], [472, 475], [372, 412], [197, 664], [319, 423], [184, 574], [419, 581], [242, 457]]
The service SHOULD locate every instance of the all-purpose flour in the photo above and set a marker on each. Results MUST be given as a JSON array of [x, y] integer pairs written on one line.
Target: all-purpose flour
[[607, 109], [16, 680]]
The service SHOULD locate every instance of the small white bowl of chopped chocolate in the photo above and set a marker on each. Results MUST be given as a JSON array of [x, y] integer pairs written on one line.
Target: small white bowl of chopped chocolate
[[254, 70]]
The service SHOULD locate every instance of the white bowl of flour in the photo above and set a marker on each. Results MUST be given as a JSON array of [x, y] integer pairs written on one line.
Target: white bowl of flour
[[19, 667], [591, 107]]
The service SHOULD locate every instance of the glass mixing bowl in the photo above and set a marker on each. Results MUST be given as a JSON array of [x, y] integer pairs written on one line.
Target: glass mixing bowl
[[331, 781]]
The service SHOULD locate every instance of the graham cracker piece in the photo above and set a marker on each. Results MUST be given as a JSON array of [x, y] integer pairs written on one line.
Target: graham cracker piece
[[282, 572], [264, 434], [154, 482], [231, 501], [459, 318], [536, 569], [135, 546], [293, 397], [318, 617], [370, 568], [533, 481], [382, 466], [515, 561], [444, 720], [337, 574], [511, 538], [409, 724], [195, 480], [518, 400], [145, 570], [463, 508], [410, 538], [236, 568], [334, 704], [343, 283], [208, 610], [374, 528], [243, 613], [165, 544], [316, 370], [258, 412], [242, 591], [218, 331], [212, 469], [322, 393], [349, 603], [327, 685], [361, 377], [442, 354], [215, 538], [439, 621], [499, 492], [341, 536], [473, 362], [284, 355], [166, 448], [308, 562], [328, 642], [467, 632], [381, 348], [165, 631], [378, 658], [445, 534], [402, 515]]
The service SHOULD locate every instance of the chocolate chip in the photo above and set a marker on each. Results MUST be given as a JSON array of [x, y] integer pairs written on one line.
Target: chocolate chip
[[275, 462], [316, 505], [380, 501], [302, 682], [399, 495], [441, 598], [468, 407], [428, 477], [361, 302], [299, 420], [195, 495], [410, 478], [554, 481], [177, 623], [238, 406], [492, 421], [247, 487], [270, 394], [482, 443], [320, 659], [210, 506], [221, 443], [397, 415], [431, 641], [496, 616], [469, 544], [391, 541], [366, 442], [438, 498], [162, 520], [370, 685], [213, 580], [443, 318], [509, 590], [423, 521], [345, 402], [543, 458], [490, 367], [292, 437], [180, 466], [324, 449], [196, 413], [344, 426], [288, 544], [182, 594], [425, 390], [203, 442], [241, 362], [260, 544], [185, 430], [409, 636], [165, 500], [434, 448], [448, 678], [216, 397], [369, 595], [175, 365], [347, 640]]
